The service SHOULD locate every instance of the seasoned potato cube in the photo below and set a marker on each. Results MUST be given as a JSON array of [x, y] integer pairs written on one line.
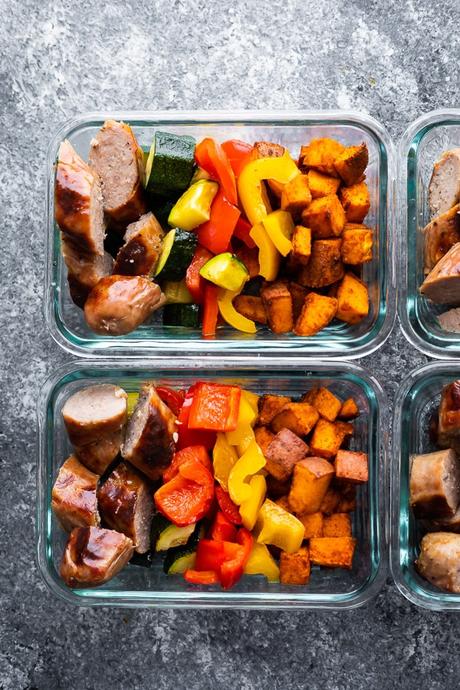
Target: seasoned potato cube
[[356, 244], [295, 567], [325, 266], [296, 195], [328, 437], [251, 307], [266, 149], [298, 294], [322, 185], [325, 402], [321, 154], [313, 524], [277, 301], [250, 258], [283, 502], [351, 163], [282, 454], [347, 503], [349, 409], [263, 437], [333, 552], [310, 481], [355, 201], [330, 501], [300, 418], [317, 312], [353, 299], [352, 466], [269, 406], [338, 525], [301, 244], [325, 216]]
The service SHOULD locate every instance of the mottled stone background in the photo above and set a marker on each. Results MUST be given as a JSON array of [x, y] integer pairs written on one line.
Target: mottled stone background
[[394, 60]]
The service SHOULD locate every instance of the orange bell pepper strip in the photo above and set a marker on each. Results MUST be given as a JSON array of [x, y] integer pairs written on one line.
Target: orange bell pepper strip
[[194, 282], [210, 310], [215, 407], [229, 509], [238, 153], [201, 577], [215, 234], [210, 156], [189, 437], [199, 453], [187, 497]]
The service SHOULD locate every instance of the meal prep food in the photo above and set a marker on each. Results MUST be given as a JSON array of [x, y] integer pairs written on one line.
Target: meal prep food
[[216, 481], [249, 234]]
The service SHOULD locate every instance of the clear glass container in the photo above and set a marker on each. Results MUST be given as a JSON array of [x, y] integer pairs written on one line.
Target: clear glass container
[[416, 404], [292, 129], [150, 587], [421, 145]]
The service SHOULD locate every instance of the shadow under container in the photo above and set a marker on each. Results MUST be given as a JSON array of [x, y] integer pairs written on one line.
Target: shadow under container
[[138, 586], [66, 321]]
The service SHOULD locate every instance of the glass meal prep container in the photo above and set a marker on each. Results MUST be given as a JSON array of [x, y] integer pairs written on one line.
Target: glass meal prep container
[[416, 403], [66, 321], [138, 586], [421, 146]]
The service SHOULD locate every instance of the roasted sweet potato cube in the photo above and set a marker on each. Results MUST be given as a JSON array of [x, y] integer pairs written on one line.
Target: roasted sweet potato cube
[[310, 481], [351, 163], [295, 567], [322, 185], [300, 418], [337, 525], [317, 312], [324, 401], [321, 154], [251, 307], [283, 452], [352, 466], [353, 299], [356, 244], [277, 489], [325, 217], [301, 245], [277, 301], [325, 266], [349, 409], [347, 502], [298, 294], [269, 406], [313, 524], [328, 437], [333, 552], [296, 195], [263, 437], [250, 258], [266, 149], [356, 202], [283, 502], [330, 501]]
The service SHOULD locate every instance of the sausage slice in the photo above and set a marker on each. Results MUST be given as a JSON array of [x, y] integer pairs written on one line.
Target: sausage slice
[[149, 443], [94, 555], [140, 253], [84, 270], [98, 455], [119, 304], [444, 187], [449, 416], [73, 498], [126, 505], [442, 284], [439, 560], [94, 413], [440, 235], [435, 484]]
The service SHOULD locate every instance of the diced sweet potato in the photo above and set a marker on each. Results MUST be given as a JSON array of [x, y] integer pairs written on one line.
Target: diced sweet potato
[[349, 409], [250, 258], [296, 195], [356, 202], [269, 406], [325, 402], [277, 301], [251, 307], [352, 466], [283, 502], [266, 149], [282, 454], [313, 524], [356, 244], [263, 437], [295, 567], [322, 185], [310, 481], [347, 503], [301, 245], [353, 299], [325, 266], [333, 552], [330, 501], [298, 294], [300, 418], [277, 489], [321, 154], [328, 437], [337, 525], [325, 217], [351, 163], [317, 312]]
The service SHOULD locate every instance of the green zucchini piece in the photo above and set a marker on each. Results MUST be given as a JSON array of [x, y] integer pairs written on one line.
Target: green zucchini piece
[[194, 206], [176, 254], [176, 292], [226, 271], [186, 315], [170, 163], [173, 536], [161, 207], [180, 559]]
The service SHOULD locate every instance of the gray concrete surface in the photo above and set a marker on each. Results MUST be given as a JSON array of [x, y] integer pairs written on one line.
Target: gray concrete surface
[[393, 59]]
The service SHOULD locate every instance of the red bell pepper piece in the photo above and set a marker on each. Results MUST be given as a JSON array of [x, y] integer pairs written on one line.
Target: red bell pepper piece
[[201, 577], [195, 283], [173, 399], [232, 569], [229, 509], [189, 437], [238, 153], [211, 554], [215, 234], [210, 311], [199, 453], [187, 497], [211, 157], [215, 407], [222, 529], [242, 230]]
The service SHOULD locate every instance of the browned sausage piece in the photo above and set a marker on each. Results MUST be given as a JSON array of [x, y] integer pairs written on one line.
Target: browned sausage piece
[[444, 187], [84, 270], [78, 201], [149, 442], [439, 560], [143, 241], [435, 484], [119, 304], [449, 416], [442, 284], [73, 498], [95, 412], [98, 455], [440, 235], [93, 556], [118, 159], [126, 504]]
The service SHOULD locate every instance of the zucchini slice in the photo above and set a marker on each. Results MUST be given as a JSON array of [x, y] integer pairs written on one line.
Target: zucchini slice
[[226, 271], [166, 535], [176, 292], [176, 254], [180, 559], [170, 163], [186, 315]]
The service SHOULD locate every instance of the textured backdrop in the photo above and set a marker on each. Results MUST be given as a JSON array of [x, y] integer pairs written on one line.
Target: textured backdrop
[[394, 60]]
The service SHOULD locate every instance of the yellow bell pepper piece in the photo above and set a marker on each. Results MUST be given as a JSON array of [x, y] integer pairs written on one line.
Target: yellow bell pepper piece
[[278, 527], [249, 509], [253, 400], [224, 457], [250, 463], [261, 562], [246, 420], [232, 317], [246, 441], [269, 256], [250, 185], [280, 226]]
